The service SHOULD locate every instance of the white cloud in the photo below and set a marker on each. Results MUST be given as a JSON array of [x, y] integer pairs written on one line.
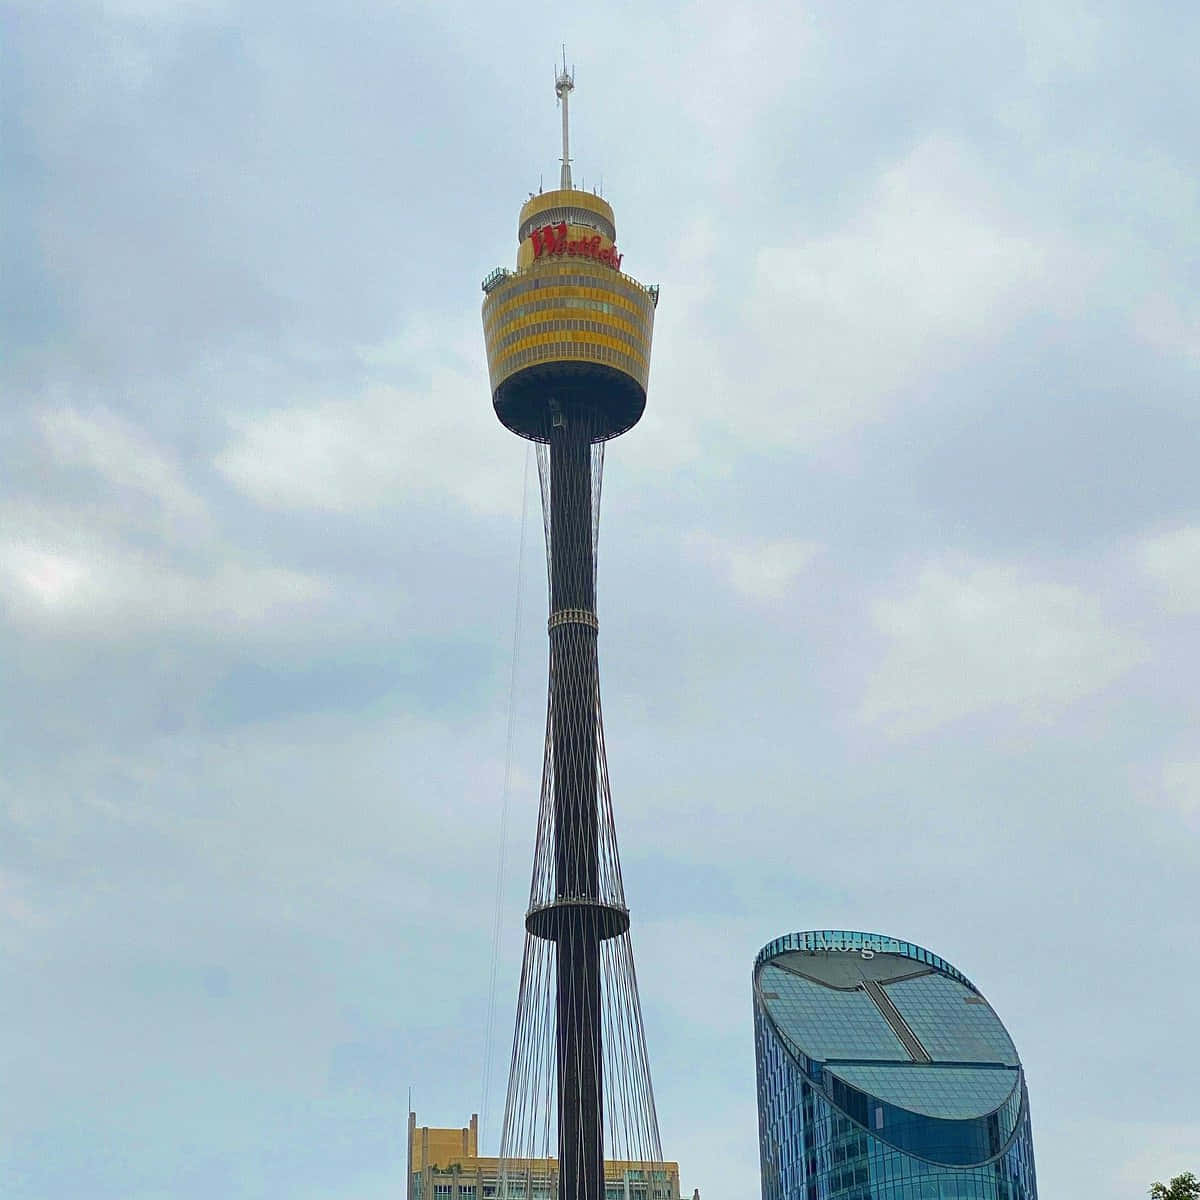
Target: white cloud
[[162, 10], [70, 582], [1172, 562], [18, 915], [965, 638], [376, 449], [761, 570], [748, 55], [1169, 327], [75, 569], [926, 268], [1066, 39], [121, 454], [1181, 790]]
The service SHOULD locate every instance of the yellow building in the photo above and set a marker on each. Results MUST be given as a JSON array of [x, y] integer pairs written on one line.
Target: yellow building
[[445, 1164]]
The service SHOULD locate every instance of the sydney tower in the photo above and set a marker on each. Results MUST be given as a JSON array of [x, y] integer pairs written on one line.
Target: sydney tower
[[568, 345]]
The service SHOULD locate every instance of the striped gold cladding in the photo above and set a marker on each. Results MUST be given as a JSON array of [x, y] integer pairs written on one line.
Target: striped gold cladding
[[573, 311]]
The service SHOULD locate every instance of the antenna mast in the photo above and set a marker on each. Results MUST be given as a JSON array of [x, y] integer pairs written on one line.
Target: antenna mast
[[564, 85]]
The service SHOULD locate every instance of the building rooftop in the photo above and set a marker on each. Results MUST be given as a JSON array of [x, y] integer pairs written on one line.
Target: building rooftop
[[455, 1152], [889, 1020]]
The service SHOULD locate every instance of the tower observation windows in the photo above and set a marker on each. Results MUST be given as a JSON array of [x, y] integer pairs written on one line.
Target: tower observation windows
[[561, 325]]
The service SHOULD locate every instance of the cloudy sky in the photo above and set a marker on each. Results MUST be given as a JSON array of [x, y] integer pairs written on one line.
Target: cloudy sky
[[900, 574]]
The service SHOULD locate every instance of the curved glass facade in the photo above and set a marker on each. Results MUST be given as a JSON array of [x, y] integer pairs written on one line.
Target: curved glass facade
[[883, 1074]]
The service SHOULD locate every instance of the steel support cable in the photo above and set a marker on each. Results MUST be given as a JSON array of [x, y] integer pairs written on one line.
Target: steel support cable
[[505, 799]]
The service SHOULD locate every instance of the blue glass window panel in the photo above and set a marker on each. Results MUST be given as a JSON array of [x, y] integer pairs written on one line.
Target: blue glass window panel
[[825, 1023], [811, 1152], [952, 1092], [951, 1029]]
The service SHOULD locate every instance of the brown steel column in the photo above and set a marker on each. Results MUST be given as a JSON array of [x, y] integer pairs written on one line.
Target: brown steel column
[[573, 699]]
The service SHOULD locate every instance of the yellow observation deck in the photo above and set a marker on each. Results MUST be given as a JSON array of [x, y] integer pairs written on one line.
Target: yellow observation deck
[[567, 328]]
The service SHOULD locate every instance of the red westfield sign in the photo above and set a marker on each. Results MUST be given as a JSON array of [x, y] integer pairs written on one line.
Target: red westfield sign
[[552, 239]]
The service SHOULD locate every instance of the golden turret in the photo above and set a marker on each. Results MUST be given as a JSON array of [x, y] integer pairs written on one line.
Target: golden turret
[[567, 328]]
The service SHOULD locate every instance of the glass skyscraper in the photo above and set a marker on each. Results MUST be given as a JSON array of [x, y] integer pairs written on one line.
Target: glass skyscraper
[[883, 1074]]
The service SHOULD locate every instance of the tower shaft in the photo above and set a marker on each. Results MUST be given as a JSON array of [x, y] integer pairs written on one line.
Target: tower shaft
[[574, 689]]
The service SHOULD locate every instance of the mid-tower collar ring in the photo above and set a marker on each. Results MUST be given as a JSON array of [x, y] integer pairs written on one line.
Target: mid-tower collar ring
[[572, 616]]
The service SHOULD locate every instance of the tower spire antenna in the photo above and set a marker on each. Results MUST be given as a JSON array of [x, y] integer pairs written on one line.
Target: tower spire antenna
[[564, 85]]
